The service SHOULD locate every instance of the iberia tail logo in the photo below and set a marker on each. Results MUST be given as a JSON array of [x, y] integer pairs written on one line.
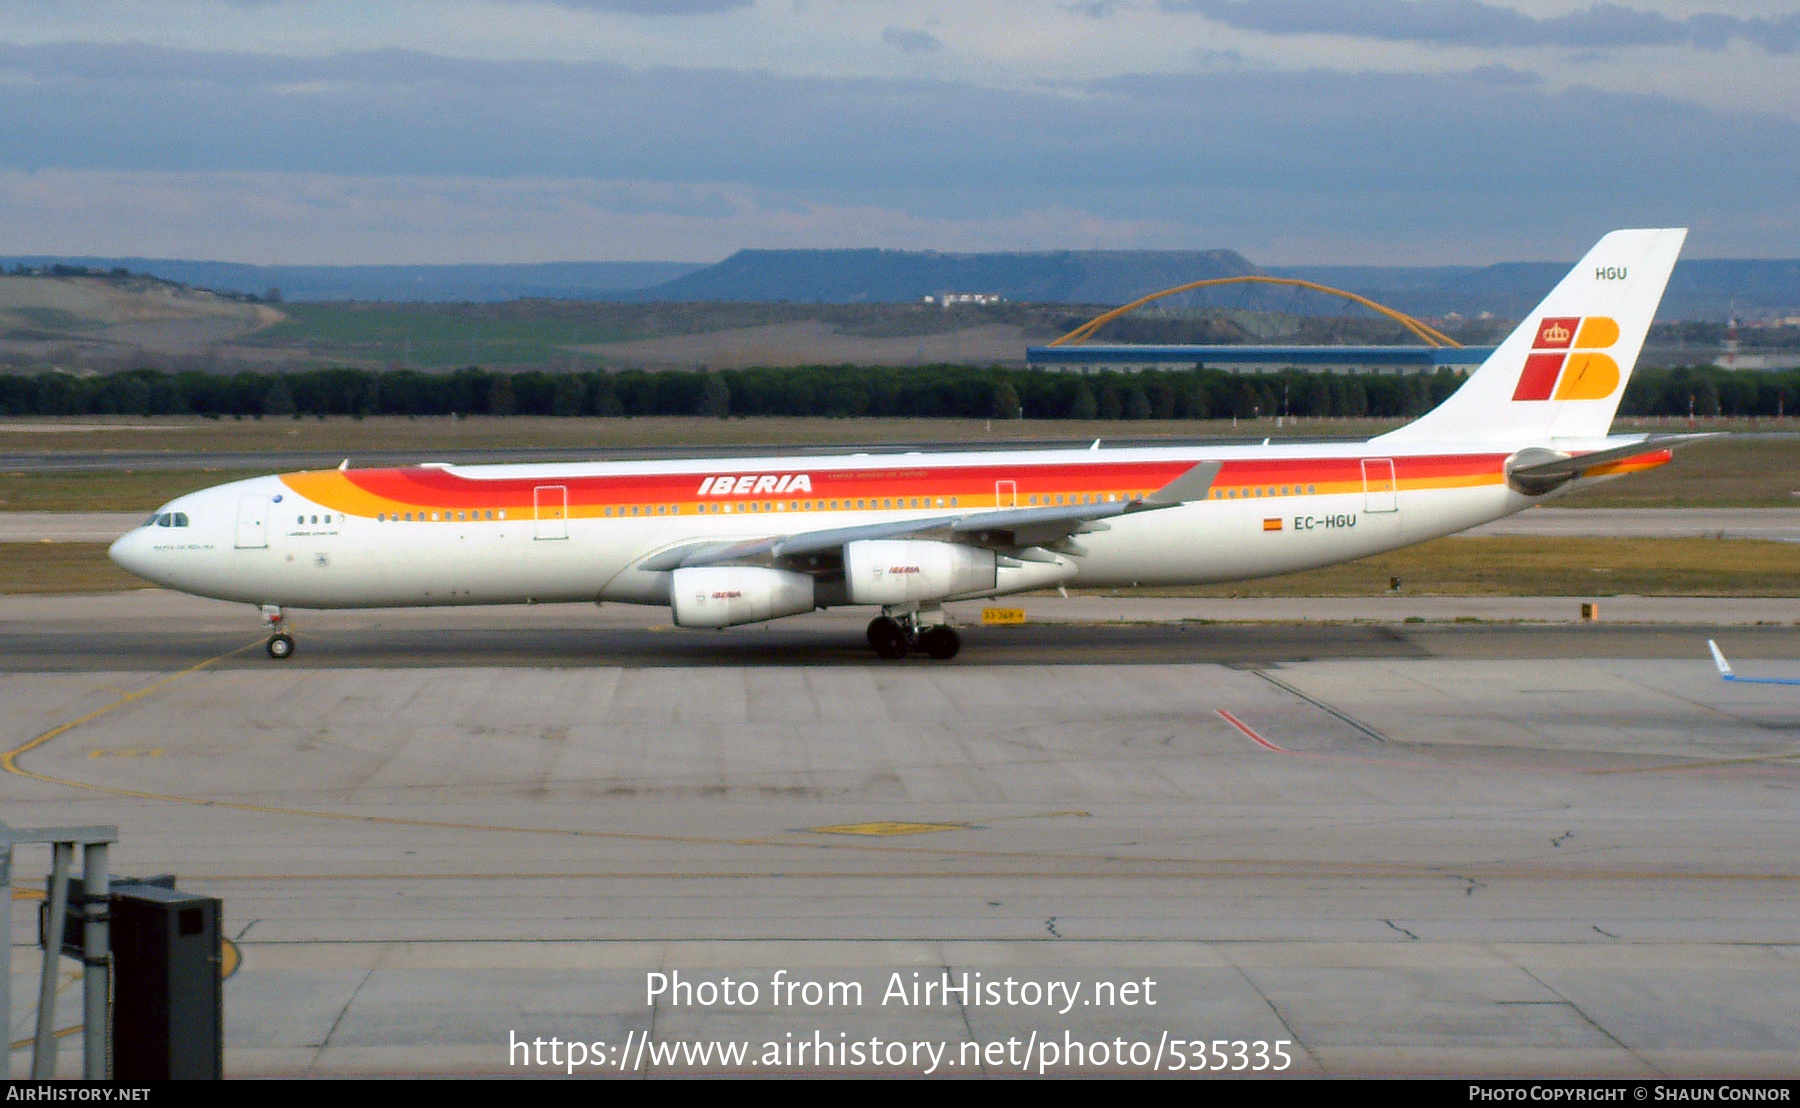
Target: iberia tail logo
[[1566, 360]]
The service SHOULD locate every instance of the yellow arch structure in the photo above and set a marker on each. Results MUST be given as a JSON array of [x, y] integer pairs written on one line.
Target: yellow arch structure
[[1431, 335]]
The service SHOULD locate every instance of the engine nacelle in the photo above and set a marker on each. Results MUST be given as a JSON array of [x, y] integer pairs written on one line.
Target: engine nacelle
[[1018, 575], [896, 571], [724, 596]]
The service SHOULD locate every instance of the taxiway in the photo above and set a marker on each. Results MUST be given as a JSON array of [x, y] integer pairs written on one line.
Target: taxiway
[[1404, 847]]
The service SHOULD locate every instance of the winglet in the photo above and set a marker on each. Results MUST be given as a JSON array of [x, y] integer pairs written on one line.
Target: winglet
[[1719, 660], [1192, 485]]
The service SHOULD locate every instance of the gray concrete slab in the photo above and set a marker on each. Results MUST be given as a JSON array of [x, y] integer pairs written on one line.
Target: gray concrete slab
[[155, 630], [1419, 848], [95, 527]]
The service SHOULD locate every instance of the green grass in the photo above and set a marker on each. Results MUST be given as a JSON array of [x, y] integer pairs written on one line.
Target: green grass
[[1521, 566], [437, 336], [540, 332], [427, 433], [102, 492], [59, 567], [54, 319], [1726, 472]]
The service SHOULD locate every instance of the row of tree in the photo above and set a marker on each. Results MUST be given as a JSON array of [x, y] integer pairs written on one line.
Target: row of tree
[[928, 391]]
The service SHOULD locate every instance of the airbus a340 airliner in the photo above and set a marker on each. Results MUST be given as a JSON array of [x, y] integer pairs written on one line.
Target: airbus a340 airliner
[[724, 542]]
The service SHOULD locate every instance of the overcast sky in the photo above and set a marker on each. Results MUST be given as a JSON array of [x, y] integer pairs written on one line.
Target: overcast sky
[[1346, 131]]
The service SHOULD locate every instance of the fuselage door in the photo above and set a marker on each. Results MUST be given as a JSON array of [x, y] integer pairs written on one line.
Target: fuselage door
[[1378, 485], [1006, 494], [551, 503], [253, 523]]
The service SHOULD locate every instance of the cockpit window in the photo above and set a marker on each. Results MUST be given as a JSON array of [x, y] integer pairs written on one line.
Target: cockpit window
[[167, 519]]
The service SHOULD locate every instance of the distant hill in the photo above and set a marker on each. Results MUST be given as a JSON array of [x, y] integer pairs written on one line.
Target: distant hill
[[400, 283], [895, 276], [102, 307], [1699, 289], [1706, 289]]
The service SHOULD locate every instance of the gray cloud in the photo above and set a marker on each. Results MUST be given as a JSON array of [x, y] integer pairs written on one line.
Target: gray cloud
[[647, 7], [1476, 23], [1505, 75], [911, 42], [1093, 9], [628, 7], [1232, 156]]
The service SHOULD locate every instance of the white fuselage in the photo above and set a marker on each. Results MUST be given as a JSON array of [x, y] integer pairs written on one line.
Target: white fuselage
[[547, 533]]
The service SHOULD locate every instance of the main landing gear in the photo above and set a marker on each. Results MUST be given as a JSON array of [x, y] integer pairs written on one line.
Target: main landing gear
[[893, 633], [281, 644]]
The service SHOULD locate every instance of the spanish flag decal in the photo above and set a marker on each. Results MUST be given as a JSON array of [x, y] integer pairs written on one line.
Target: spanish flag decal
[[1566, 362], [1271, 525]]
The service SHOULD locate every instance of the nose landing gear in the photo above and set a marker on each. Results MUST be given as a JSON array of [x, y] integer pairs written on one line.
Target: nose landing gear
[[281, 644], [895, 631]]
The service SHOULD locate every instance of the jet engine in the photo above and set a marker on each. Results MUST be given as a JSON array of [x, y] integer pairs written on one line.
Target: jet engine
[[723, 596], [895, 571], [898, 571]]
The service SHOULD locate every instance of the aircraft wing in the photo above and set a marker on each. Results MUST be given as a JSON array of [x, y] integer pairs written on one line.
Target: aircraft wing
[[1002, 528]]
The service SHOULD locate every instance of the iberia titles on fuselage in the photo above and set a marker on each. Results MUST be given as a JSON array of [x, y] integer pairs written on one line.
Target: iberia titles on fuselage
[[730, 541]]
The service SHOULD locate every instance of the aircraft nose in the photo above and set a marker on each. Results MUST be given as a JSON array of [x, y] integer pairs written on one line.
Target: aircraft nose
[[131, 552]]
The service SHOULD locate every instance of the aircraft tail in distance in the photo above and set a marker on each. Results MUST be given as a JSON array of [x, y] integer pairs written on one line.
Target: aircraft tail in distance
[[1562, 371], [1725, 673]]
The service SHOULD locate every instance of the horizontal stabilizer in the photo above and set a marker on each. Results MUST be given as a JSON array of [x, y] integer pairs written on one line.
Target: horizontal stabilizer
[[1536, 471]]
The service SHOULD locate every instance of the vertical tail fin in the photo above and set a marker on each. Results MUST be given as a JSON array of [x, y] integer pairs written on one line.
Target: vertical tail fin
[[1561, 373], [1719, 660]]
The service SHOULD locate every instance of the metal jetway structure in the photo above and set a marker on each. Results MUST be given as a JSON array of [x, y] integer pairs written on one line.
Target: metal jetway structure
[[96, 960], [151, 964]]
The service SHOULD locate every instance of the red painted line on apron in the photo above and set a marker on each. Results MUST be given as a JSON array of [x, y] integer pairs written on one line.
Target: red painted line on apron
[[1254, 737]]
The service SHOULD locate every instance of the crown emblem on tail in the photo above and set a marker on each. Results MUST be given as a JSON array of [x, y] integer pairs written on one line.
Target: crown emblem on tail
[[1586, 374]]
